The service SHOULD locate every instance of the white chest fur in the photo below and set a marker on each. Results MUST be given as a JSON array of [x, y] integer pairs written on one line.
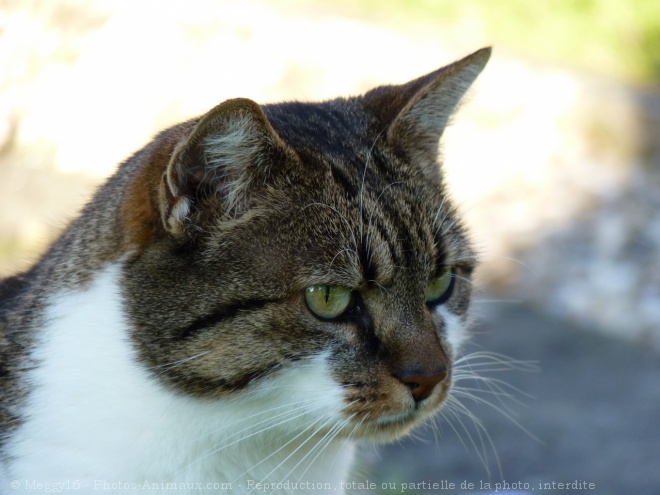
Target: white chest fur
[[97, 419]]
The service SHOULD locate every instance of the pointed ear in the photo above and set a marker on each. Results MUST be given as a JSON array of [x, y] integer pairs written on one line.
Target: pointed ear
[[415, 114], [229, 153]]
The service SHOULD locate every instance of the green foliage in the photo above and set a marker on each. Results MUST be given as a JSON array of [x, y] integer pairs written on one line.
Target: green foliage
[[620, 38]]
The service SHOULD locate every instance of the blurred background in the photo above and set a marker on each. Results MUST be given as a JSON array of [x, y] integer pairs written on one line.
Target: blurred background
[[554, 160]]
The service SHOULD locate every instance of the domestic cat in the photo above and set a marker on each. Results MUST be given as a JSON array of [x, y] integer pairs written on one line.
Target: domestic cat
[[249, 296]]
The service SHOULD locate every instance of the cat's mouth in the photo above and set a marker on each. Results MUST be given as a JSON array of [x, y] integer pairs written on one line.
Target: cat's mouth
[[397, 419], [389, 427], [383, 422]]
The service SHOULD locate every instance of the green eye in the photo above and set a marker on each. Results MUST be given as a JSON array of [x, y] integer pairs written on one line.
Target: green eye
[[327, 301], [440, 288]]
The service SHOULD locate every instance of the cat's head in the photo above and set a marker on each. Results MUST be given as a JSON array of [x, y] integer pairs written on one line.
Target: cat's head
[[305, 252]]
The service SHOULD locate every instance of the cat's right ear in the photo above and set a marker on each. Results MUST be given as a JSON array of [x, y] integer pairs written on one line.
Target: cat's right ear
[[229, 153]]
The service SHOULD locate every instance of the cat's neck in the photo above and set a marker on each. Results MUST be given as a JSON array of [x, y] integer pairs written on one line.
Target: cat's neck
[[167, 437]]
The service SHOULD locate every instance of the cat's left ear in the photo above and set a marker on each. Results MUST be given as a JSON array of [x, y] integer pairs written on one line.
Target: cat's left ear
[[414, 115], [228, 154]]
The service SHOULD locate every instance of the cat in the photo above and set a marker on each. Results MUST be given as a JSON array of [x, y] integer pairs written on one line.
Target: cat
[[249, 296]]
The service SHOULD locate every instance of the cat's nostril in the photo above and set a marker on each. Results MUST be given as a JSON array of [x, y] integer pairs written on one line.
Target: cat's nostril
[[421, 386]]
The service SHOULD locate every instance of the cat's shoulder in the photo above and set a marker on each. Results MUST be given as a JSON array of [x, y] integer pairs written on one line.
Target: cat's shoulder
[[13, 287]]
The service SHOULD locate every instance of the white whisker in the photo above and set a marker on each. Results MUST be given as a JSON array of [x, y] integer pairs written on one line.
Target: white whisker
[[170, 366], [435, 218], [483, 438], [305, 411], [364, 176], [321, 445], [311, 425]]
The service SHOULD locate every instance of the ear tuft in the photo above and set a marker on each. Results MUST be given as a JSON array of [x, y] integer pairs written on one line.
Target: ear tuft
[[230, 154], [218, 165], [179, 212]]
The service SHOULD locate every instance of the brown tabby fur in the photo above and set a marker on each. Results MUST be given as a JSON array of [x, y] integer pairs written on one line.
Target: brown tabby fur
[[221, 222]]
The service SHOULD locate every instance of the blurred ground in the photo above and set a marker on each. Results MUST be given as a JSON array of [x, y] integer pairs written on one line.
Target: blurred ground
[[594, 412]]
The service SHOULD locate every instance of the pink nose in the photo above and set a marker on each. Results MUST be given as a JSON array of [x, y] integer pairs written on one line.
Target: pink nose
[[421, 386]]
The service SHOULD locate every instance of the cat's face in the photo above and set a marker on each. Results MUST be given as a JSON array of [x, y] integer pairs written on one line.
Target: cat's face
[[305, 253]]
